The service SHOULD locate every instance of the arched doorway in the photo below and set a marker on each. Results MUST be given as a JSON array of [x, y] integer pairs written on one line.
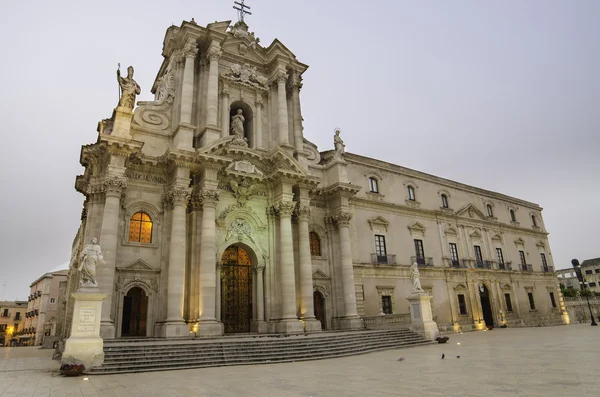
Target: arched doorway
[[135, 313], [486, 306], [319, 305], [236, 290]]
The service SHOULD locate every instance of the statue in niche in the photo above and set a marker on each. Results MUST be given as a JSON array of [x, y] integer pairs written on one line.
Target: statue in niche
[[414, 276], [237, 124], [338, 143], [91, 256], [129, 89]]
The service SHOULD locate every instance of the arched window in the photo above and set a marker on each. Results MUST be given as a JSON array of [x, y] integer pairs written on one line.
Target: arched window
[[373, 185], [512, 216], [444, 201], [490, 211], [140, 228], [411, 193], [315, 244], [533, 222]]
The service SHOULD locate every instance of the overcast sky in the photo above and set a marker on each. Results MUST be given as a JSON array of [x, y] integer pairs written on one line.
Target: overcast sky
[[503, 96]]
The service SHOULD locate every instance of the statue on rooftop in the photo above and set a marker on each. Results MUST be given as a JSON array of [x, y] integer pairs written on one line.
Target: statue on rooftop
[[338, 143], [129, 89]]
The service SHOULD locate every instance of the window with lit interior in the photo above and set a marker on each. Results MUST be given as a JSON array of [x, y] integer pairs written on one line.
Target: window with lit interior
[[140, 228]]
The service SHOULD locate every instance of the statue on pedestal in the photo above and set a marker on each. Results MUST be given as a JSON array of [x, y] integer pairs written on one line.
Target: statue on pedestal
[[237, 124], [90, 257], [414, 276], [129, 89], [338, 143]]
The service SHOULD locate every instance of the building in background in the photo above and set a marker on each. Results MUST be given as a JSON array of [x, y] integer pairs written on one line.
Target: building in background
[[41, 317], [12, 316], [590, 269]]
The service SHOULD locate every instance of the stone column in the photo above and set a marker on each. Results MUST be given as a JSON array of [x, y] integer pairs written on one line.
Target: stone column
[[208, 324], [258, 121], [351, 320], [213, 54], [218, 293], [184, 135], [296, 85], [282, 108], [174, 325], [289, 321], [307, 311], [259, 325], [224, 112], [114, 187]]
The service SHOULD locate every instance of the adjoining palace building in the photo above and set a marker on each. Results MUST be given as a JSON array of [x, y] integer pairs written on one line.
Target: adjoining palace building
[[215, 214]]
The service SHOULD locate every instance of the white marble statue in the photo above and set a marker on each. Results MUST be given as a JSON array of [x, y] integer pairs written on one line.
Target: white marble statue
[[338, 143], [91, 256], [414, 276], [237, 124], [129, 89]]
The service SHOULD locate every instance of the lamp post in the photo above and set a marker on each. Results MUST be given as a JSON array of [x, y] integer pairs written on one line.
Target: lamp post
[[583, 287]]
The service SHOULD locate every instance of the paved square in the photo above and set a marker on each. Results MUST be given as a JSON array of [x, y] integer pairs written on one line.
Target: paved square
[[550, 361]]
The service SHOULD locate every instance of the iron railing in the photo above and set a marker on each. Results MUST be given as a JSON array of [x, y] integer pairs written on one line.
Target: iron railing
[[422, 261], [388, 259], [458, 264], [548, 269], [484, 264], [526, 267]]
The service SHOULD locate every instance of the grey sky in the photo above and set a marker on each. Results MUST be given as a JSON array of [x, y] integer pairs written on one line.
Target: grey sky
[[501, 95]]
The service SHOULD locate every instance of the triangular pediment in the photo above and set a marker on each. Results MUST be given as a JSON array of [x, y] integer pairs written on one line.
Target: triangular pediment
[[417, 227], [520, 241], [277, 48], [475, 234], [319, 274], [451, 231], [497, 237], [470, 211], [139, 265], [243, 48], [380, 222]]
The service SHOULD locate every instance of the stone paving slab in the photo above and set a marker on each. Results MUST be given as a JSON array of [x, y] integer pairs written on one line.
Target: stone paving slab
[[550, 361]]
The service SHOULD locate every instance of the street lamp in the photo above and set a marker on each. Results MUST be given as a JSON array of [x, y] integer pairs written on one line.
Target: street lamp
[[583, 286]]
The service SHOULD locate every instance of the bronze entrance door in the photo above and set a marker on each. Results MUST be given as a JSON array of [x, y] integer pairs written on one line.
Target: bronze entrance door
[[236, 290], [319, 305], [135, 312]]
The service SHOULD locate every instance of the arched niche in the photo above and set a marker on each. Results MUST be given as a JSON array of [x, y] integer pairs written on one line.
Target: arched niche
[[248, 114]]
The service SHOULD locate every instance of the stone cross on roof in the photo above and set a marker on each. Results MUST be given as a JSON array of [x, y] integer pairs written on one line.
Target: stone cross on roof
[[242, 9]]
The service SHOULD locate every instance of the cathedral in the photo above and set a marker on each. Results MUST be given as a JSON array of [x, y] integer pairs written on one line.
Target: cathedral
[[216, 215]]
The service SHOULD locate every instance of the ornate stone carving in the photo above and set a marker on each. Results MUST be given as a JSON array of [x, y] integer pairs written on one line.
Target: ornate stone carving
[[338, 143], [237, 124], [245, 167], [214, 54], [234, 207], [178, 196], [246, 75], [208, 197], [129, 89], [190, 50], [342, 219], [91, 256], [259, 268], [303, 212], [243, 191], [295, 82], [284, 208], [114, 186], [240, 228], [414, 276], [240, 30]]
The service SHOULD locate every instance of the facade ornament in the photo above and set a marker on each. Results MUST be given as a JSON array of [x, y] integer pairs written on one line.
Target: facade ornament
[[284, 208], [190, 50], [259, 268], [280, 76], [114, 186], [237, 124], [295, 82], [246, 75], [129, 89], [342, 219], [240, 30], [240, 228], [209, 197], [338, 143], [214, 54], [178, 196], [414, 276], [243, 191], [91, 256], [245, 167], [303, 212]]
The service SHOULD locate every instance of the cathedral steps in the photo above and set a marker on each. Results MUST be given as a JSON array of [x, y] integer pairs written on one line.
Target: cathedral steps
[[158, 355]]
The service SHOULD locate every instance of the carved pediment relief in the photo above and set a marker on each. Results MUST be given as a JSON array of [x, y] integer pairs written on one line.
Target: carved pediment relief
[[246, 75], [417, 229], [540, 244], [470, 211], [520, 242], [379, 223], [496, 237], [319, 274], [138, 265], [475, 234], [450, 231]]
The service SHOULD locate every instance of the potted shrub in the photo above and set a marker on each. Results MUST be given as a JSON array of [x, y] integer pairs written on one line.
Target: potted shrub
[[72, 369]]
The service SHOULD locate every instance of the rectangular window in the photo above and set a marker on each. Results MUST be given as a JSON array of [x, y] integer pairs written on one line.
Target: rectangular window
[[52, 300], [552, 300], [522, 256], [597, 270], [531, 302], [373, 186], [386, 304], [5, 314], [508, 302], [462, 305], [500, 256], [380, 250], [592, 284], [420, 252], [444, 201], [2, 327], [453, 253], [589, 271], [18, 316], [411, 193], [544, 263], [478, 257]]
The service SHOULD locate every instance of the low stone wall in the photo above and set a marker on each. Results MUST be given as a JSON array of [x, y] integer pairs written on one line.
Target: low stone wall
[[578, 309], [387, 321]]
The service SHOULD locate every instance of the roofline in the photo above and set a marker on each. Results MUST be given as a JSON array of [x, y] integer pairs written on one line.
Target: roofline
[[49, 275]]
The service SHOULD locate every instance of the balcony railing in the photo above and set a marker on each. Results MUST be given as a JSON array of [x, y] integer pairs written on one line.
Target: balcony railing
[[526, 267], [548, 269], [388, 259], [458, 264], [421, 261], [484, 264], [504, 266], [5, 315]]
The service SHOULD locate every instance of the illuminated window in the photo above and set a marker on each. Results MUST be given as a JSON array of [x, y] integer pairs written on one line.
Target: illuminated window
[[140, 228], [315, 244]]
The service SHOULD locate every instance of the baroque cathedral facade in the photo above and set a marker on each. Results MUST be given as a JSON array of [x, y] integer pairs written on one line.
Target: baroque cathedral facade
[[216, 215]]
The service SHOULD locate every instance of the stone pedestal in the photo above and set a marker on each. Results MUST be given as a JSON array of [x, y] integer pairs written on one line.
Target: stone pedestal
[[350, 323], [259, 326], [209, 328], [290, 326], [85, 345], [209, 134], [421, 320], [183, 138], [173, 329], [312, 325], [122, 122]]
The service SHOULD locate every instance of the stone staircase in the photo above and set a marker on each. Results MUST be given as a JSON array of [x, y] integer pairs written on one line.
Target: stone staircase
[[141, 355]]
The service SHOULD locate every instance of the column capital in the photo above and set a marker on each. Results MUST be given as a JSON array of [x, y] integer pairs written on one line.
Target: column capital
[[190, 49], [342, 219], [114, 186], [303, 212], [295, 83], [214, 54], [178, 196], [284, 208], [208, 198], [280, 77], [259, 268]]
